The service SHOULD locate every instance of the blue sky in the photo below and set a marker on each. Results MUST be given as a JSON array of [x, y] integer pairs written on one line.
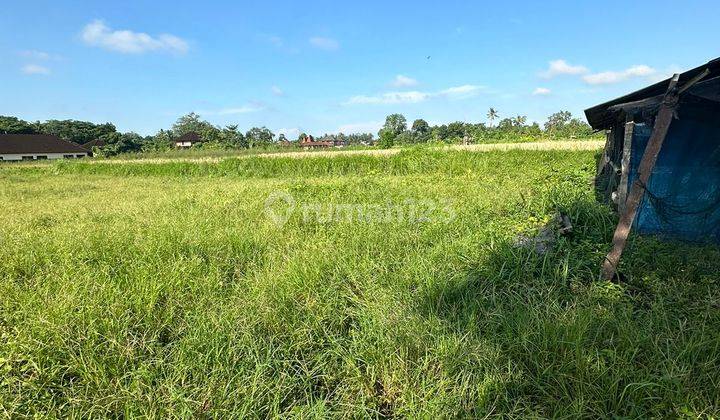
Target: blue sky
[[328, 66]]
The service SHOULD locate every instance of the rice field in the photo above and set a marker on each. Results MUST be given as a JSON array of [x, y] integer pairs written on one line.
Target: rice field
[[355, 286], [200, 155]]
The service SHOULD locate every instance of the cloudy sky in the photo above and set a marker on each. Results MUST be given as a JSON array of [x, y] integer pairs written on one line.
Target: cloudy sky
[[337, 66]]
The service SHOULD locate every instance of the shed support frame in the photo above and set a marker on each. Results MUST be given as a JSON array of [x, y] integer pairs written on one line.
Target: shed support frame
[[637, 189], [625, 166]]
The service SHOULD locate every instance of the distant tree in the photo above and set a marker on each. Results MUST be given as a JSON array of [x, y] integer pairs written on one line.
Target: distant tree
[[282, 138], [12, 125], [519, 121], [76, 131], [456, 131], [161, 141], [439, 132], [405, 137], [492, 115], [534, 130], [231, 137], [387, 139], [579, 128], [562, 124], [558, 120], [357, 139], [420, 130], [395, 124], [193, 123], [259, 136], [116, 143]]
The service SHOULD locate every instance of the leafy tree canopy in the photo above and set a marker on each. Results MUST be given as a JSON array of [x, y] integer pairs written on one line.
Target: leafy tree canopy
[[193, 123], [259, 136], [387, 139], [395, 124], [78, 131], [420, 127], [12, 125]]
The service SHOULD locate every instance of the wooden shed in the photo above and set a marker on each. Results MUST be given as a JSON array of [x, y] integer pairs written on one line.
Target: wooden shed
[[661, 164]]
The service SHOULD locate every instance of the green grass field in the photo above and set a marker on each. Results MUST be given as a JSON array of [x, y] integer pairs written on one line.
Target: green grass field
[[166, 290]]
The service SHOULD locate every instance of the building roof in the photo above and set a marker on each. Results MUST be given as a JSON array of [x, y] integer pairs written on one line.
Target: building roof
[[94, 143], [36, 143], [317, 143], [603, 116], [192, 137]]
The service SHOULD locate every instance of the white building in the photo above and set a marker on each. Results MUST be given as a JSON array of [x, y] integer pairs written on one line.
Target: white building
[[14, 147], [188, 140]]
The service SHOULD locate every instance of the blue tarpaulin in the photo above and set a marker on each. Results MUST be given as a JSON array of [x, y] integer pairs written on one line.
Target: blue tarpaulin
[[682, 198]]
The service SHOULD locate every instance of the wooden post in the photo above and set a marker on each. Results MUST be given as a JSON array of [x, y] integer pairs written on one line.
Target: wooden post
[[625, 166], [637, 190], [605, 155]]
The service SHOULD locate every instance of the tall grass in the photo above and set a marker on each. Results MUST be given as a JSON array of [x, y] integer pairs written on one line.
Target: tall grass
[[165, 290]]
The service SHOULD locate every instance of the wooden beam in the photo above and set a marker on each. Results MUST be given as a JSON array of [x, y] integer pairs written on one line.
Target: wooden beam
[[635, 105], [605, 155], [637, 190], [625, 166]]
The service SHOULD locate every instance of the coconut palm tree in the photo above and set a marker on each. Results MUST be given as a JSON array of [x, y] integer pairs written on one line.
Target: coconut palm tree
[[492, 114]]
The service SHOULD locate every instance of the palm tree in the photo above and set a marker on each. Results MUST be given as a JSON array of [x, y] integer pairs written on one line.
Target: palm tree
[[492, 114]]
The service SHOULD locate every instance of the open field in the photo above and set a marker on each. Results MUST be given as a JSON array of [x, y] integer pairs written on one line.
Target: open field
[[216, 156], [394, 288]]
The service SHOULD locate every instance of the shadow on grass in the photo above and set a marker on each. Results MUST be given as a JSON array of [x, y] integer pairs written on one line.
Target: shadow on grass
[[576, 346]]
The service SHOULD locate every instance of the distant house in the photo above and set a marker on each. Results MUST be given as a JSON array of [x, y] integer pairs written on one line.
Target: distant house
[[14, 147], [94, 143], [286, 143], [188, 140], [340, 143], [97, 143], [309, 142]]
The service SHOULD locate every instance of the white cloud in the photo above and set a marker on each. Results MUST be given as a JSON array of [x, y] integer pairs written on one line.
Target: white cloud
[[277, 91], [401, 81], [35, 69], [413, 97], [541, 91], [98, 34], [561, 67], [327, 44], [665, 74], [37, 55], [410, 97], [363, 127], [461, 92], [610, 77], [245, 109]]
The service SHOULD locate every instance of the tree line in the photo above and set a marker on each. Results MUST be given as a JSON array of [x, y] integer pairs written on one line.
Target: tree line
[[561, 124], [395, 131]]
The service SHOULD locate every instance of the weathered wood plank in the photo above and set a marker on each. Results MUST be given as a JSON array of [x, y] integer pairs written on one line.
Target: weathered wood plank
[[625, 166], [637, 190]]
